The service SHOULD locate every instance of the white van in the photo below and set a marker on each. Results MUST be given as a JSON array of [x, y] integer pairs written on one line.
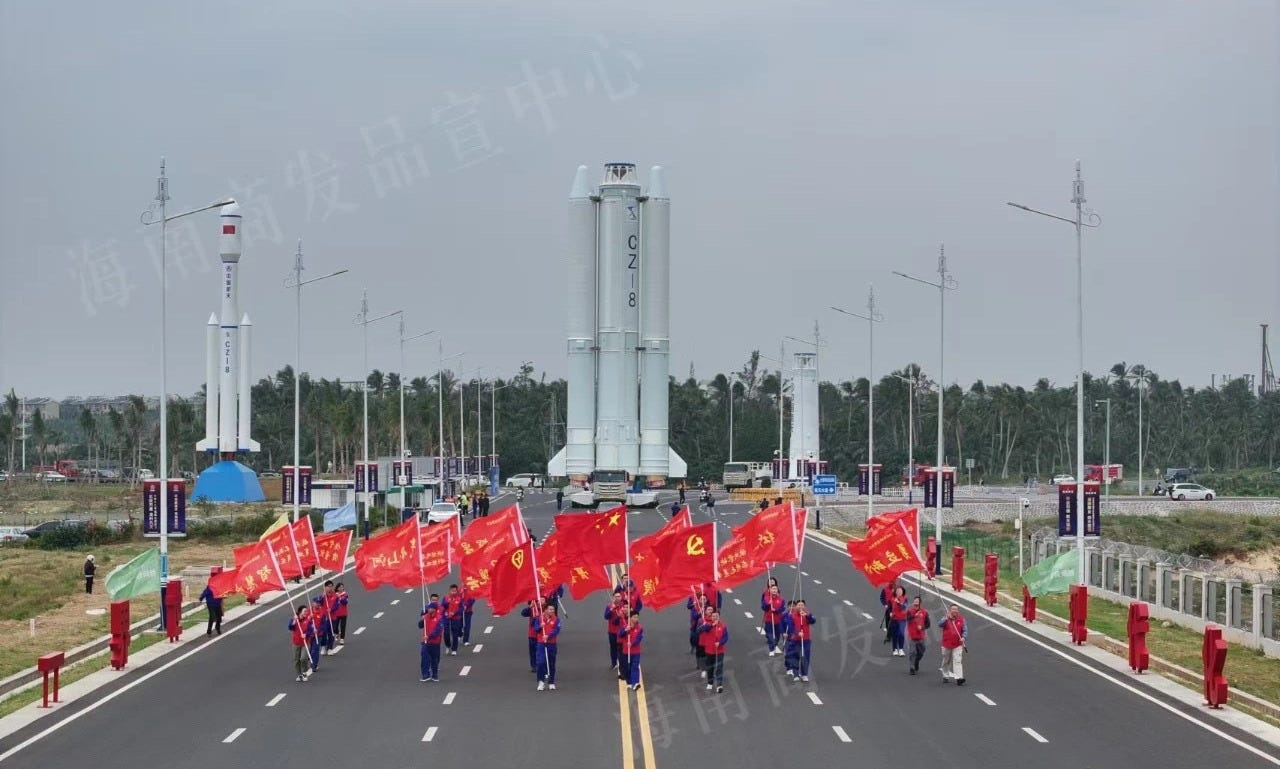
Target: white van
[[524, 481]]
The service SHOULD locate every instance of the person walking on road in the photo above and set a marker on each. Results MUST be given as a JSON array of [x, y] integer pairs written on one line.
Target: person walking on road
[[772, 607], [715, 637], [432, 624], [547, 626], [917, 624], [699, 615], [454, 611], [886, 600], [630, 642], [954, 633], [615, 615], [462, 505], [302, 631], [214, 604], [468, 608], [559, 500], [898, 620], [340, 613], [89, 569], [320, 630], [797, 624], [533, 610]]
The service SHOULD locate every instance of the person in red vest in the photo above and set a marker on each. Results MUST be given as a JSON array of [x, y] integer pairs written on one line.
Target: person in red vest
[[772, 607], [433, 626], [547, 627], [886, 600], [533, 611], [615, 615], [454, 615], [302, 631], [469, 603], [797, 625], [715, 637], [898, 620], [340, 613], [954, 633], [696, 604], [631, 593], [917, 624], [630, 641], [697, 620]]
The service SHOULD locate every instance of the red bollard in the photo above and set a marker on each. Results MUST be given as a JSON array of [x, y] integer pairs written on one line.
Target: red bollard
[[1214, 653], [1138, 626], [173, 609], [991, 578], [119, 634], [1079, 605], [1028, 605], [50, 663], [957, 568], [930, 557]]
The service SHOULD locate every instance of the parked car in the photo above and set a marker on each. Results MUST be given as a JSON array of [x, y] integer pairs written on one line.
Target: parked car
[[1062, 479], [40, 528], [442, 512], [51, 476], [523, 481], [12, 535], [269, 474], [1194, 491]]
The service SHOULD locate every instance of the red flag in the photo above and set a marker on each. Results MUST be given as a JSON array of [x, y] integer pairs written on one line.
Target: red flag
[[223, 583], [770, 535], [887, 552], [244, 553], [585, 580], [679, 522], [551, 571], [259, 573], [646, 572], [282, 543], [391, 558], [687, 559], [736, 562], [484, 542], [304, 541], [595, 538], [909, 517], [515, 579], [800, 516], [437, 552], [332, 548]]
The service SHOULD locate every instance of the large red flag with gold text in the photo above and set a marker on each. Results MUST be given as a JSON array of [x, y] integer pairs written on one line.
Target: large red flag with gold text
[[887, 552], [736, 562], [515, 579], [687, 560], [594, 538], [259, 572], [437, 551], [391, 558], [484, 542], [770, 535], [332, 549]]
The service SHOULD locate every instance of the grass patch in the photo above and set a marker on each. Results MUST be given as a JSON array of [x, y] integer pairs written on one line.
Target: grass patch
[[1200, 533]]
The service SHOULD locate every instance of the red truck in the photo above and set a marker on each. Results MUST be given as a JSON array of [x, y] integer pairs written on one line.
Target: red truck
[[67, 467], [921, 474], [1108, 474]]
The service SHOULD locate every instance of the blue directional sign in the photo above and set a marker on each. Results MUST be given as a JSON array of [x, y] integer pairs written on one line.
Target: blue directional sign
[[824, 485]]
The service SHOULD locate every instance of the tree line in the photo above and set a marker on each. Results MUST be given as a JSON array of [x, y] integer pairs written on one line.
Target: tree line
[[1011, 432]]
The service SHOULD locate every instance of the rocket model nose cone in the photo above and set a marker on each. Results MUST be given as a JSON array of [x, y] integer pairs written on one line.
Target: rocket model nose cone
[[213, 319], [230, 209], [581, 187], [244, 320], [657, 184]]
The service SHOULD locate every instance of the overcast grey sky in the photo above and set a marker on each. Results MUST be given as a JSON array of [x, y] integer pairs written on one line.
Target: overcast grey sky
[[811, 148]]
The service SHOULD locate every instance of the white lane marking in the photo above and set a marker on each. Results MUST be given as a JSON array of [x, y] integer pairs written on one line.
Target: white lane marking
[[476, 649], [407, 592], [1101, 674], [847, 602], [465, 669], [817, 582], [729, 590], [804, 573], [1034, 734], [359, 630], [378, 615], [448, 698], [738, 601], [832, 592], [841, 733], [232, 737], [868, 616], [337, 649], [430, 735], [984, 698], [748, 615], [393, 603], [814, 696], [488, 630], [275, 700]]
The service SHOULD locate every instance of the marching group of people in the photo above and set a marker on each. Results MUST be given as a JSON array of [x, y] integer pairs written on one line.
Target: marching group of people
[[317, 629], [909, 621]]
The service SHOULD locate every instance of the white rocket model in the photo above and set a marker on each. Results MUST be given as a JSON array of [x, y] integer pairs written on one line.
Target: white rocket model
[[804, 444], [226, 416], [619, 245]]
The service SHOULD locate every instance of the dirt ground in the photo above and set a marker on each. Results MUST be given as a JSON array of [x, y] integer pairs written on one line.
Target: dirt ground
[[71, 624], [1263, 560]]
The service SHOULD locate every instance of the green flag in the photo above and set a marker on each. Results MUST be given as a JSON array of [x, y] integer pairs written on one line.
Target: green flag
[[1053, 575], [137, 577]]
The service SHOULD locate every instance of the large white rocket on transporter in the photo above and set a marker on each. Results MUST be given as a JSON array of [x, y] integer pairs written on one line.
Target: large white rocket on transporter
[[618, 296]]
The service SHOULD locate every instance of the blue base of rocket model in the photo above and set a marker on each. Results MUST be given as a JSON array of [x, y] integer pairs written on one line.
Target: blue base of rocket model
[[228, 481]]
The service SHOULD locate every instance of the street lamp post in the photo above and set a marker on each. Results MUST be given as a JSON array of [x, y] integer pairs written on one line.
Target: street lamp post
[[493, 421], [364, 320], [1079, 223], [1139, 373], [296, 283], [444, 469], [148, 217], [872, 317], [782, 355], [945, 283], [403, 339], [1106, 454], [911, 431]]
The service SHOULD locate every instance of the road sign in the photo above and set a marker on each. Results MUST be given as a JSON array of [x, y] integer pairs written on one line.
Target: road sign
[[824, 485], [968, 463]]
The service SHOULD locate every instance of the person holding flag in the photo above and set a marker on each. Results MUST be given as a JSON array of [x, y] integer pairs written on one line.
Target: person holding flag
[[630, 642], [715, 637], [432, 623], [797, 624], [533, 610], [898, 620], [302, 631], [453, 612], [340, 613], [697, 606], [468, 606], [954, 634], [772, 607], [615, 615], [320, 630], [547, 626], [917, 624]]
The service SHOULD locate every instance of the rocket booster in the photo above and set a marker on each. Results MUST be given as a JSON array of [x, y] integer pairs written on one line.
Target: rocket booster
[[227, 408]]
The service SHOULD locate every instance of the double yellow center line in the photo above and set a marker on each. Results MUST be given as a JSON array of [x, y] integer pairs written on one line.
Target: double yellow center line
[[642, 716]]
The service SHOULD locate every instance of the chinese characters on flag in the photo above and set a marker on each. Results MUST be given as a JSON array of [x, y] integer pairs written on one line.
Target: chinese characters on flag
[[887, 552]]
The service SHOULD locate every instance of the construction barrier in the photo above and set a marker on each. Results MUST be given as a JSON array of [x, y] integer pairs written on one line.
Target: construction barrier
[[990, 578], [957, 568], [1138, 626], [1079, 605], [1214, 653], [1028, 605], [120, 637], [50, 663]]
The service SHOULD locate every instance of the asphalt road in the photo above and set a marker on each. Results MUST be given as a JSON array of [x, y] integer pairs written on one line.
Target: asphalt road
[[233, 702]]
